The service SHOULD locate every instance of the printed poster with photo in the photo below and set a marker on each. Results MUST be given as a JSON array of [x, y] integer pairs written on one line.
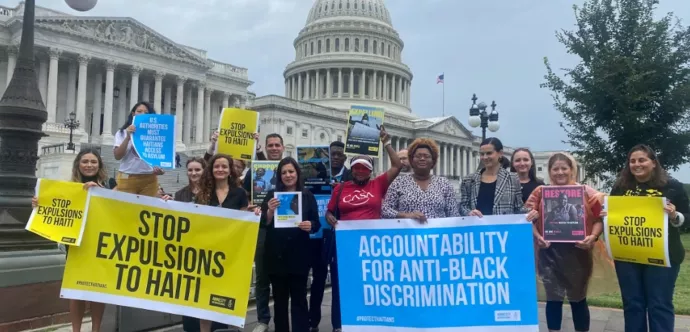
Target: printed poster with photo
[[154, 139], [289, 212], [564, 213], [263, 179], [315, 163], [363, 129]]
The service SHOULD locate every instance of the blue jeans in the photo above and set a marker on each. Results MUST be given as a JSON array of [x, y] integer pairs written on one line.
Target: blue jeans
[[647, 293], [263, 282]]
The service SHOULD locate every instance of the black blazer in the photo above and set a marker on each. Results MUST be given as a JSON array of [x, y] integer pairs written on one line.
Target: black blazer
[[287, 250]]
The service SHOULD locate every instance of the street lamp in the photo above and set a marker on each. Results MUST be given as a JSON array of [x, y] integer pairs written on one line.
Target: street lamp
[[22, 115], [72, 123], [479, 117]]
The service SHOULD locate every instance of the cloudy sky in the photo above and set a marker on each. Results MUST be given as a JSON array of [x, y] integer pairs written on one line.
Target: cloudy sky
[[493, 48]]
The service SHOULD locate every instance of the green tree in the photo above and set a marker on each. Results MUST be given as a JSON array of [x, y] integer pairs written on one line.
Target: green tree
[[631, 86]]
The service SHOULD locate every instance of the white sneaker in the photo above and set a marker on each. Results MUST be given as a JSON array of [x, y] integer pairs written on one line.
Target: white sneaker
[[261, 328]]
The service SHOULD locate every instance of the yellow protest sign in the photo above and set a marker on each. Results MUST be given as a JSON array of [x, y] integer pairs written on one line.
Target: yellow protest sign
[[172, 257], [236, 133], [636, 230], [61, 212]]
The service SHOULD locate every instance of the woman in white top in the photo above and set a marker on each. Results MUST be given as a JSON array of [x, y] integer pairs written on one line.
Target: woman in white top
[[134, 176]]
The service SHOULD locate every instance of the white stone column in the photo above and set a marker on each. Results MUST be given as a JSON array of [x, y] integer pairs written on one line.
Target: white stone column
[[294, 87], [71, 86], [446, 159], [300, 92], [287, 90], [243, 102], [437, 168], [97, 105], [81, 89], [121, 109], [385, 94], [146, 91], [375, 87], [199, 130], [451, 160], [43, 80], [52, 84], [351, 82], [158, 91], [329, 84], [317, 86], [307, 86], [108, 102], [340, 83], [168, 100], [134, 86], [362, 84], [226, 99], [179, 112], [12, 52], [207, 113], [409, 93], [187, 124]]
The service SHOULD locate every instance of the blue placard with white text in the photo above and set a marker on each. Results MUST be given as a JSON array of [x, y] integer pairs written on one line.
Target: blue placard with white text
[[154, 139], [453, 274], [322, 202]]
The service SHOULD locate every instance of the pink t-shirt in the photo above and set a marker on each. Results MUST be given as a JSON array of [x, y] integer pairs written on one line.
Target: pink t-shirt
[[360, 202]]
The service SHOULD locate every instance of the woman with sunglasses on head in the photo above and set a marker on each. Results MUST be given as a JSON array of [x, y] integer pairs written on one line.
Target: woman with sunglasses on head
[[134, 176], [287, 253], [357, 199], [420, 195], [647, 290], [522, 163], [88, 168]]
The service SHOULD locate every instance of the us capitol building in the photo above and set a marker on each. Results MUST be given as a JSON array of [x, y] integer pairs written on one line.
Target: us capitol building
[[348, 53]]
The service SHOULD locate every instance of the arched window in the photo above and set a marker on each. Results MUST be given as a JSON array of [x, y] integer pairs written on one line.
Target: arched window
[[347, 44], [311, 48], [375, 47], [337, 44], [355, 4], [383, 46], [366, 46], [328, 45], [318, 45], [305, 49], [389, 50], [356, 44]]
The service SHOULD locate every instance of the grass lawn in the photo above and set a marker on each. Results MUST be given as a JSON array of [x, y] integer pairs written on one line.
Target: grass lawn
[[681, 298]]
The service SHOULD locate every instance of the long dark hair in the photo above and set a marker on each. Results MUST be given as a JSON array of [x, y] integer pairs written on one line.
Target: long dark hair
[[626, 180], [532, 170], [208, 182], [101, 176], [130, 118], [280, 186]]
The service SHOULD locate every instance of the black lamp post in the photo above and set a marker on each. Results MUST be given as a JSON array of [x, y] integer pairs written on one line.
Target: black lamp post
[[72, 123], [479, 116]]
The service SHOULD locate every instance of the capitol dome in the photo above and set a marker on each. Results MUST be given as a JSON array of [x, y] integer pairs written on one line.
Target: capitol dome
[[348, 53]]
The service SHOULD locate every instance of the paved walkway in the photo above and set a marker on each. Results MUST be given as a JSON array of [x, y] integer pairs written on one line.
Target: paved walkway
[[603, 320]]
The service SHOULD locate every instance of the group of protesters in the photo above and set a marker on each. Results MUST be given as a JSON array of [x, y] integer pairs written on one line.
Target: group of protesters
[[408, 189]]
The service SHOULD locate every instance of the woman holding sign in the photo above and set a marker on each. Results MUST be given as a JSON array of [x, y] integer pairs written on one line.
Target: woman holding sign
[[88, 168], [566, 267], [647, 290], [134, 176], [287, 254]]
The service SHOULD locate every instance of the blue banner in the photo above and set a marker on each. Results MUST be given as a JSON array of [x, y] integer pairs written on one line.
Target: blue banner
[[322, 202], [154, 139], [454, 274]]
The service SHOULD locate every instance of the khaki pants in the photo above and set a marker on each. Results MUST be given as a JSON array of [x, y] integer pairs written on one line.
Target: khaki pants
[[140, 184]]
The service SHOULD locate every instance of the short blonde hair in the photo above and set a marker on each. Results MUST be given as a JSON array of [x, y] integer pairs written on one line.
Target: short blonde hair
[[426, 143]]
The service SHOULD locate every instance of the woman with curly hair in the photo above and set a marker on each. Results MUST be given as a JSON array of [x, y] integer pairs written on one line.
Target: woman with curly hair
[[420, 195], [220, 187]]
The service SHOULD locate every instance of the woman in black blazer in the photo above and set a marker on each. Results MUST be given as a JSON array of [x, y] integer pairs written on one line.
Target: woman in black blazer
[[287, 254]]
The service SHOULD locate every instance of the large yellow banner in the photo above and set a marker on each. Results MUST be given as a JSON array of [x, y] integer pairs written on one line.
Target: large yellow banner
[[172, 257], [637, 230], [61, 212], [236, 133]]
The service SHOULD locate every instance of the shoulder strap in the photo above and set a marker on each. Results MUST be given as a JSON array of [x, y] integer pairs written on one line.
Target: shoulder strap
[[336, 213]]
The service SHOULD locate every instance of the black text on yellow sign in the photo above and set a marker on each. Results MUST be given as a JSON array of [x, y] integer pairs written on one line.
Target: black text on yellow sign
[[173, 270], [237, 134], [633, 232]]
